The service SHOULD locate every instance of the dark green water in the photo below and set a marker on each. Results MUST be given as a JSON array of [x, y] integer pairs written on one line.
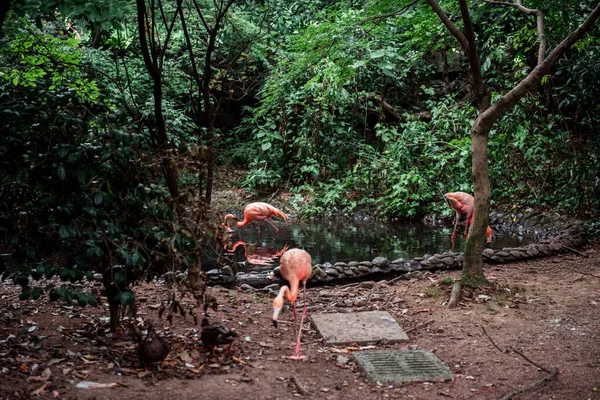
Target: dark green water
[[346, 241]]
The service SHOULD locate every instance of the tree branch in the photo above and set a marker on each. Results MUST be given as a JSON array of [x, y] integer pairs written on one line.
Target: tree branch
[[392, 14], [451, 27], [497, 110], [539, 16]]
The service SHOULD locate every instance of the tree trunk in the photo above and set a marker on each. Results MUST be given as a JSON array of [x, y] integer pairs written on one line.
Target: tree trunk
[[472, 272], [4, 7], [156, 74]]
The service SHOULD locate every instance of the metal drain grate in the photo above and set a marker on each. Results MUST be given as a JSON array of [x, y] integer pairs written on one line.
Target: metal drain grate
[[401, 366]]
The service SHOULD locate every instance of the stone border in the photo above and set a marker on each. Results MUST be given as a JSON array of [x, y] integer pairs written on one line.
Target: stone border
[[556, 235]]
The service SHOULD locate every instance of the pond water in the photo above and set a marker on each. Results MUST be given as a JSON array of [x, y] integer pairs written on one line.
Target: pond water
[[330, 240]]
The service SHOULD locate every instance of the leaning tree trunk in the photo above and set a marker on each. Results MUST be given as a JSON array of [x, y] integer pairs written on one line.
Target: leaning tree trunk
[[473, 266]]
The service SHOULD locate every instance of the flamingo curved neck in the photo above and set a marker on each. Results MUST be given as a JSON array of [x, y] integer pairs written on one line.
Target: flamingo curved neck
[[237, 222], [290, 295]]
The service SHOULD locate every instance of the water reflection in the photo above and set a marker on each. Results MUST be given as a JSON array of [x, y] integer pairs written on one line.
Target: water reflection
[[331, 240], [256, 255]]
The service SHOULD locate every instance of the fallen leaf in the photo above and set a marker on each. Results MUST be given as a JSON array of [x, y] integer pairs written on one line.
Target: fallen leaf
[[40, 390], [197, 370], [185, 356], [55, 361], [143, 374]]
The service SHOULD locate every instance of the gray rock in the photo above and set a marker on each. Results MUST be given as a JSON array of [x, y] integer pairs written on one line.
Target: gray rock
[[366, 285], [381, 262], [226, 270], [340, 264], [332, 272], [364, 269], [367, 264]]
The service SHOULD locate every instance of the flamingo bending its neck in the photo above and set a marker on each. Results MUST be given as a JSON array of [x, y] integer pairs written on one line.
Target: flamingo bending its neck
[[464, 204], [257, 212], [296, 267]]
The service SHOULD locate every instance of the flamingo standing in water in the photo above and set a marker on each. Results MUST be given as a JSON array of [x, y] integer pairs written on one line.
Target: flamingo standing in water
[[296, 267], [257, 212], [464, 203]]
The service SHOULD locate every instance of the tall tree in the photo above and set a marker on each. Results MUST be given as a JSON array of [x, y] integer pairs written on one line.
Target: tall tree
[[203, 77], [153, 54], [489, 114]]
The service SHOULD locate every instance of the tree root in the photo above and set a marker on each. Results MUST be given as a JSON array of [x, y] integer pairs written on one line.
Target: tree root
[[454, 295]]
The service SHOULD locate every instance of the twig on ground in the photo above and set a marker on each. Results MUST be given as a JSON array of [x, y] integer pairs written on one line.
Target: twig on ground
[[491, 340], [531, 361], [418, 326], [398, 278], [552, 372], [575, 251], [533, 386], [300, 388]]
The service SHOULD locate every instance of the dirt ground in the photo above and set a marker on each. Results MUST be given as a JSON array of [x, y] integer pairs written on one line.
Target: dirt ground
[[548, 309]]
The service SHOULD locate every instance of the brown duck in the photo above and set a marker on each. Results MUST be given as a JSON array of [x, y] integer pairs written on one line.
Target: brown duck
[[216, 334], [153, 348]]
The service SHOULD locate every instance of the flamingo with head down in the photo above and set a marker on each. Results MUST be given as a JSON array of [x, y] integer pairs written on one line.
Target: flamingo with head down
[[295, 268], [464, 204]]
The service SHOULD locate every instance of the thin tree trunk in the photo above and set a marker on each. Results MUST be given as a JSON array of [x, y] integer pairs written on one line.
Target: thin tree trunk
[[156, 75], [4, 7], [472, 273]]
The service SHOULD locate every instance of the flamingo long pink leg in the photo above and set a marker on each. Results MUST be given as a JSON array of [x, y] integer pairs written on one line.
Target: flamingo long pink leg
[[454, 231], [297, 355]]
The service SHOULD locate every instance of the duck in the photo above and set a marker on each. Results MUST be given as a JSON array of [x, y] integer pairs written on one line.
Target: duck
[[153, 348], [216, 334]]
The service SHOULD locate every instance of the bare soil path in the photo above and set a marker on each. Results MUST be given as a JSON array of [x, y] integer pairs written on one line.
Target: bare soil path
[[549, 309]]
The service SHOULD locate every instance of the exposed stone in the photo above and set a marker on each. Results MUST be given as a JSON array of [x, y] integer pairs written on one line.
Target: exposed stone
[[353, 264], [340, 264], [448, 261], [488, 252], [332, 272], [368, 264], [434, 260], [226, 270], [318, 272], [367, 284], [355, 270], [399, 261], [349, 272], [364, 269], [381, 262]]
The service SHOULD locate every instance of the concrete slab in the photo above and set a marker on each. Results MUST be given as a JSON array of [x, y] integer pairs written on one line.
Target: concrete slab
[[362, 328], [402, 366]]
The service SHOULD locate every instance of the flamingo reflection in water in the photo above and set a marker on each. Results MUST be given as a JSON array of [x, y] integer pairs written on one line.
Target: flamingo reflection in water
[[258, 255]]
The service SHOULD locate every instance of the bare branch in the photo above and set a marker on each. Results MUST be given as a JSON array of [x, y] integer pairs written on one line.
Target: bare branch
[[451, 27], [539, 16], [393, 14]]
